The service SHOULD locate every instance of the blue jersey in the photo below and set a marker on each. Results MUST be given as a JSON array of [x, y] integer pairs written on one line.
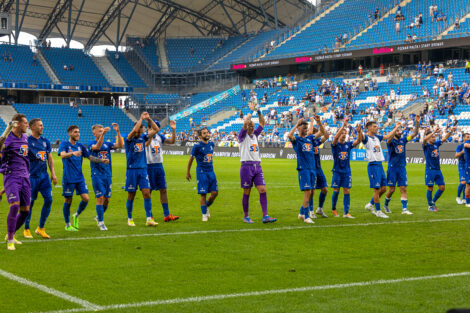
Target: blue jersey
[[135, 152], [303, 146], [463, 157], [38, 151], [203, 153], [467, 156], [101, 169], [397, 152], [431, 154], [316, 149], [341, 157], [73, 165]]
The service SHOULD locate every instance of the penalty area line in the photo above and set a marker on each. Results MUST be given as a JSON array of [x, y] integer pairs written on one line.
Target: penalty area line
[[243, 230], [261, 293], [56, 293]]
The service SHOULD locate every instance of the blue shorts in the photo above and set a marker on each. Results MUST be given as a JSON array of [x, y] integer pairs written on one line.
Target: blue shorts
[[432, 177], [396, 176], [137, 178], [341, 181], [68, 188], [156, 176], [467, 177], [377, 177], [102, 186], [321, 179], [307, 179], [41, 184], [462, 175], [206, 182]]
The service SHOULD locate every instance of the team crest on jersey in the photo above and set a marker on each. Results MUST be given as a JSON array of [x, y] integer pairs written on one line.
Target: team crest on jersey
[[24, 150], [138, 147], [156, 149], [307, 147], [41, 155]]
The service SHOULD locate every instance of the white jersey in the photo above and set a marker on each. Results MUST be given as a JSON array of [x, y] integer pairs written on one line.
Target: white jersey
[[373, 148], [154, 150], [249, 148]]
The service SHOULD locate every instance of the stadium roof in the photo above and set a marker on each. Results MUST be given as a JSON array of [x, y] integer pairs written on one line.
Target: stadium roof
[[96, 22]]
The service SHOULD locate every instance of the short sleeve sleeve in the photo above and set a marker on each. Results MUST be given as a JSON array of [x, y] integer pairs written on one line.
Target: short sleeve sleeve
[[48, 146], [62, 148], [366, 138], [194, 151], [162, 137], [85, 152]]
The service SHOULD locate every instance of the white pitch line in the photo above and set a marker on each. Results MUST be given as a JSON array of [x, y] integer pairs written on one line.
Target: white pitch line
[[261, 293], [199, 232], [88, 306]]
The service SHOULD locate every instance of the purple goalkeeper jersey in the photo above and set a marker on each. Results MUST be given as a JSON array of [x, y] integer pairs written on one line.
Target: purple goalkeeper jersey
[[15, 156]]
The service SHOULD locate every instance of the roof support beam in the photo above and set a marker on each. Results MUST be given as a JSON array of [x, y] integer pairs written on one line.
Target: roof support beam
[[264, 12], [75, 23], [166, 17], [57, 12], [19, 26], [108, 18], [6, 5], [127, 23], [253, 12], [221, 3]]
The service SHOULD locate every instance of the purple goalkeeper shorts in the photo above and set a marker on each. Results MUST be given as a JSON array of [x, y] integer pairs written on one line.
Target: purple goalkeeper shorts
[[17, 189], [251, 173]]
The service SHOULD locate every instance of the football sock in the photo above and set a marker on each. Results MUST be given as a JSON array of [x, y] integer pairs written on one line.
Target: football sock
[[334, 199], [11, 220], [20, 219], [246, 203], [387, 201], [66, 212], [105, 207], [310, 204], [45, 211], [166, 210], [346, 202], [81, 207], [129, 207], [148, 208], [467, 199], [437, 195], [321, 200], [404, 204], [28, 218], [204, 209], [100, 212], [429, 197], [306, 212], [209, 203], [263, 200], [377, 206], [372, 200], [460, 189]]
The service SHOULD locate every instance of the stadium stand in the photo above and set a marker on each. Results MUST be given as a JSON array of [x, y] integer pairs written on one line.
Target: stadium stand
[[18, 64], [74, 67], [327, 28], [385, 31], [57, 118], [125, 70]]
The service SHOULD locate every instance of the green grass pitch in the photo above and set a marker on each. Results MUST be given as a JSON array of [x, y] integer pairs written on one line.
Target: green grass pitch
[[231, 260]]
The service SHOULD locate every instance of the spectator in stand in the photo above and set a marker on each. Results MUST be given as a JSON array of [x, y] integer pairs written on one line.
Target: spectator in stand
[[431, 10], [370, 18], [191, 51], [397, 26], [457, 24], [376, 13], [65, 67], [345, 37], [435, 16], [420, 19], [80, 113], [116, 56], [10, 58], [360, 70], [467, 66], [70, 67], [35, 60]]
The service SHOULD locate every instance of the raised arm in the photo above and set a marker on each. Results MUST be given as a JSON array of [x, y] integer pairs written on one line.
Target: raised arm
[[360, 135], [6, 133], [447, 136], [120, 141], [261, 120], [392, 134], [50, 162], [153, 128], [172, 139], [292, 131], [137, 126], [322, 131], [427, 137], [99, 143], [338, 133], [416, 130], [243, 132], [310, 127]]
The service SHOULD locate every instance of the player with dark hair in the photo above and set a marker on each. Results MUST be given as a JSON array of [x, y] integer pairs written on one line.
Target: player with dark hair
[[39, 153], [321, 182], [203, 152], [433, 174], [341, 150], [396, 172], [136, 174], [72, 153], [461, 157], [101, 173], [156, 173], [251, 171], [377, 178], [15, 170], [303, 147]]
